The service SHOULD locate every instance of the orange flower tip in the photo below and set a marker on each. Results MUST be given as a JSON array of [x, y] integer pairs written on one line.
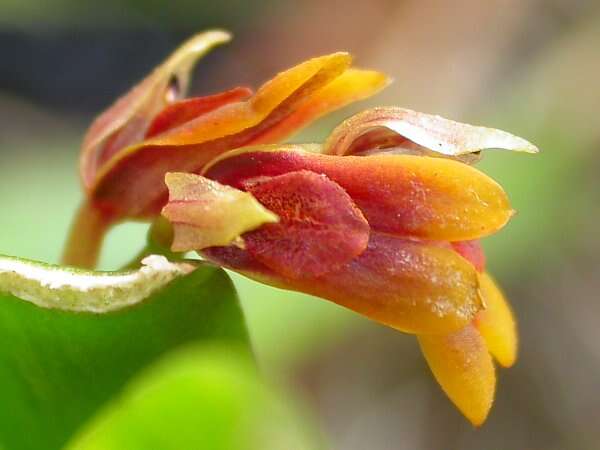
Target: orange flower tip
[[205, 213], [496, 323], [462, 365], [384, 128]]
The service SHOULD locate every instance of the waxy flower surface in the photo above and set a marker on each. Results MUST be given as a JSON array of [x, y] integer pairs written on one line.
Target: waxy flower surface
[[391, 234], [384, 218]]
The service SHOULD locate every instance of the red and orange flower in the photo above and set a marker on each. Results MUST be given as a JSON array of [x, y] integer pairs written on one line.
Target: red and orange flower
[[153, 129], [384, 218]]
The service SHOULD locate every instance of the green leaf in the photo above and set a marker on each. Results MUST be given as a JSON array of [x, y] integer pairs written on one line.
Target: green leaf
[[73, 339], [204, 397]]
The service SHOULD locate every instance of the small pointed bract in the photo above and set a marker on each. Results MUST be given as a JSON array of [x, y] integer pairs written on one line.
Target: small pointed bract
[[206, 213]]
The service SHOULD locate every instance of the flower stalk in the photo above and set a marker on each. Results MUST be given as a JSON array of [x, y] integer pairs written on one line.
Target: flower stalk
[[86, 236]]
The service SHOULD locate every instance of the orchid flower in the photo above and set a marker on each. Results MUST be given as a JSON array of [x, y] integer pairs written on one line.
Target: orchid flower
[[384, 219], [154, 129]]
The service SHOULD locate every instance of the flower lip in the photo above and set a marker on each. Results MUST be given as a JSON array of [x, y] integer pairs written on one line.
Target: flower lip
[[320, 227]]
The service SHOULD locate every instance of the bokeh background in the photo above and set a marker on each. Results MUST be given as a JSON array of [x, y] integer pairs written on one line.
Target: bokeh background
[[528, 66]]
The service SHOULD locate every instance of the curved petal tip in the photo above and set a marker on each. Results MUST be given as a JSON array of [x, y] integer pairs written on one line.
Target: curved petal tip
[[464, 369]]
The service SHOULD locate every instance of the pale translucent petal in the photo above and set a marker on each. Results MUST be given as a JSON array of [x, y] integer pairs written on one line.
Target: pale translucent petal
[[205, 213]]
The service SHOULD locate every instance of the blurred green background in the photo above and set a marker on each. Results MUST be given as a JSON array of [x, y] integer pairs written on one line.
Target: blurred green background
[[528, 66]]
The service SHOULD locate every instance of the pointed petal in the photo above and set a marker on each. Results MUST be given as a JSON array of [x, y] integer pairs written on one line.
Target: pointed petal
[[320, 228], [497, 324], [300, 94], [205, 213], [425, 134], [464, 369], [351, 86], [407, 285], [127, 120], [280, 95], [404, 195], [383, 141], [185, 110]]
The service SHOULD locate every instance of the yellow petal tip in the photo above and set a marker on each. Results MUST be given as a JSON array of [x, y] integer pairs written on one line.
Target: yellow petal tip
[[463, 367], [497, 323]]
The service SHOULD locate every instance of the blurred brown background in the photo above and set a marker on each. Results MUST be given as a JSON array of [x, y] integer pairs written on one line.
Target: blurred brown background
[[528, 66]]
